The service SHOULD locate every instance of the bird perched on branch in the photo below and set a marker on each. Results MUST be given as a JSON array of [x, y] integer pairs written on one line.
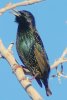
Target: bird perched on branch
[[30, 48]]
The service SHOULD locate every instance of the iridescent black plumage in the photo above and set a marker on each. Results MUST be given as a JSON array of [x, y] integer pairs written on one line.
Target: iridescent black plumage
[[31, 50]]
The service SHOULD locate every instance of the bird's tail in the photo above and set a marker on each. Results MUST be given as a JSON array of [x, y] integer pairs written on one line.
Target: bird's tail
[[45, 82], [48, 91], [39, 81]]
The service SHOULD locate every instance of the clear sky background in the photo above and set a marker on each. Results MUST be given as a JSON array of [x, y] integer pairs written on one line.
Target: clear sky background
[[51, 22]]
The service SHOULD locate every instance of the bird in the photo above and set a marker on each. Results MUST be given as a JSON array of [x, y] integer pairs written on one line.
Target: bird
[[30, 48]]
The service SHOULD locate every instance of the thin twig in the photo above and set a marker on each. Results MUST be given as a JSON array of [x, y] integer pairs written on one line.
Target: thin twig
[[23, 3], [62, 59]]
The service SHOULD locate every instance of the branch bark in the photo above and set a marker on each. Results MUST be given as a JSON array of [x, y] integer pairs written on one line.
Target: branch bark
[[23, 3], [62, 59], [26, 84]]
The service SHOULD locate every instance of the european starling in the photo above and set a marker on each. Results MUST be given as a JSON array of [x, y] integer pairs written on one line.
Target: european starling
[[30, 48]]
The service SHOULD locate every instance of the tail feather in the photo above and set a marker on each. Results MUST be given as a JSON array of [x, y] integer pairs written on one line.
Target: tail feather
[[48, 91], [39, 82]]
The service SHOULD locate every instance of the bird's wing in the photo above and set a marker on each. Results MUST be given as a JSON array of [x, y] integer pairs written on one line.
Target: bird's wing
[[39, 41], [42, 63], [40, 54]]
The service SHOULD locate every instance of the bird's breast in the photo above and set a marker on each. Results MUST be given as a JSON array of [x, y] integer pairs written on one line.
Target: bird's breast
[[24, 44]]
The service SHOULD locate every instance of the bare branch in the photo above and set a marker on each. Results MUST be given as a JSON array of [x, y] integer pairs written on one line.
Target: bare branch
[[62, 59], [12, 6], [10, 46], [18, 71], [64, 53]]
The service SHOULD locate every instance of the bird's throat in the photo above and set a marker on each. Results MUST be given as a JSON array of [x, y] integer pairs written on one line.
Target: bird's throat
[[25, 29]]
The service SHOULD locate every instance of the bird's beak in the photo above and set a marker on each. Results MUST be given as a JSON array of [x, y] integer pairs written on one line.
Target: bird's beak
[[16, 12]]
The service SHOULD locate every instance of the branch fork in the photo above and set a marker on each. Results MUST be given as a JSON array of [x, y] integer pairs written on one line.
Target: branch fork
[[62, 59]]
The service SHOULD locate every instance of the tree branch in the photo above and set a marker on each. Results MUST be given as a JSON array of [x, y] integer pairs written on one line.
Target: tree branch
[[18, 71], [62, 59], [12, 6]]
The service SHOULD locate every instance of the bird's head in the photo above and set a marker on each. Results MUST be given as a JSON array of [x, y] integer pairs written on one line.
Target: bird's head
[[24, 17]]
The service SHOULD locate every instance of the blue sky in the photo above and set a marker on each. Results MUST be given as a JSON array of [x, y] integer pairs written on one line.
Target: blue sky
[[51, 17]]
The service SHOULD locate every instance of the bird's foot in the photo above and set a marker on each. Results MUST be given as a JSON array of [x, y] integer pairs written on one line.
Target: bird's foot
[[23, 78], [34, 77], [26, 71], [15, 68], [19, 66]]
